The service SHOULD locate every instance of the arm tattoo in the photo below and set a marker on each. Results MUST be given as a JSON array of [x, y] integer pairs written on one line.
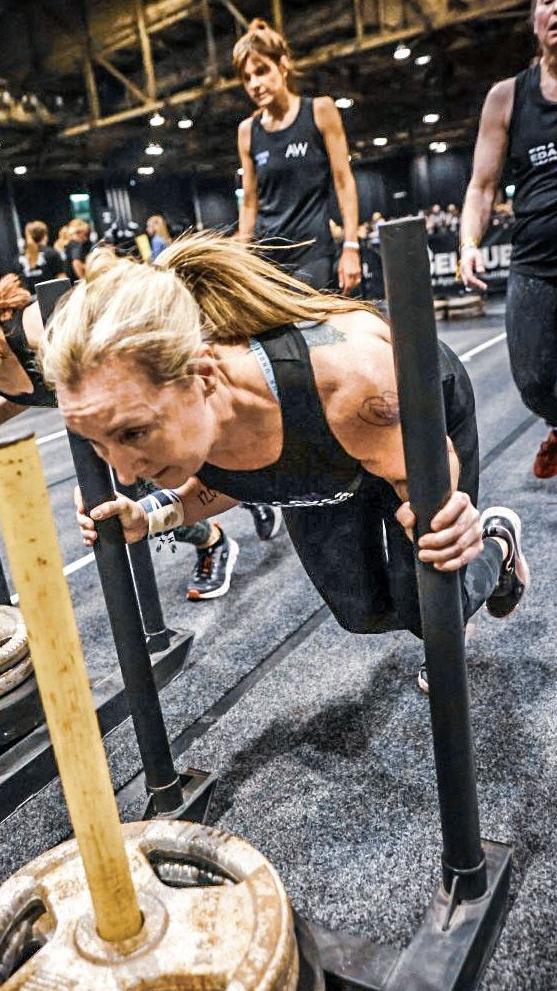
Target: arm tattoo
[[322, 334], [207, 496], [380, 411]]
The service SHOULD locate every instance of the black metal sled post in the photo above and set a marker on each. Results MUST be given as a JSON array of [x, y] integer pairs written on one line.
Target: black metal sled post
[[462, 923], [171, 793]]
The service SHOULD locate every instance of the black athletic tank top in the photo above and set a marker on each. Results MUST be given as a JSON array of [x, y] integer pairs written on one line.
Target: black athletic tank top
[[17, 341], [293, 186], [533, 158], [313, 469]]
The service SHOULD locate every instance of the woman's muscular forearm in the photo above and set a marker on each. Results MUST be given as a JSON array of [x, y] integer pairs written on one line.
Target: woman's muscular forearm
[[200, 501]]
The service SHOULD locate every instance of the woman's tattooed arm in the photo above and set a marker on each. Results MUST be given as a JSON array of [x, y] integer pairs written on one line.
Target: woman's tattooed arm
[[380, 411]]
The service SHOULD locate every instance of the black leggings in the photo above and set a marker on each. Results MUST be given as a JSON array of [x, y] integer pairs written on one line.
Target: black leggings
[[317, 272], [531, 320], [359, 557]]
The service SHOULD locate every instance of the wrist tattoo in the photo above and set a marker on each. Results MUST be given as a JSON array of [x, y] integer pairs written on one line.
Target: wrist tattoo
[[207, 496], [380, 411]]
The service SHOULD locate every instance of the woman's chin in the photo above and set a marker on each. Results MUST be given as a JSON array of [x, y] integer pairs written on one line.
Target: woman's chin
[[171, 477]]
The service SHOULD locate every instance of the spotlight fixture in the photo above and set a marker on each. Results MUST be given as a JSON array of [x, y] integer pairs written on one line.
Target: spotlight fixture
[[423, 60], [239, 171], [156, 120], [185, 123], [438, 146], [431, 118], [401, 52], [344, 103], [20, 169], [380, 142], [145, 170], [154, 149]]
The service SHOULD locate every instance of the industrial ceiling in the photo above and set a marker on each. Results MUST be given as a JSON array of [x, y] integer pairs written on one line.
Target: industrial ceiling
[[80, 80]]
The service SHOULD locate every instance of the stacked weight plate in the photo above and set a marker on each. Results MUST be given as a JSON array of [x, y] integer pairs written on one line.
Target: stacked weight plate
[[20, 705]]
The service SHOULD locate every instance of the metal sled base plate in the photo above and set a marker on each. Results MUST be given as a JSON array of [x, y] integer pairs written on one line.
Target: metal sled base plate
[[446, 954]]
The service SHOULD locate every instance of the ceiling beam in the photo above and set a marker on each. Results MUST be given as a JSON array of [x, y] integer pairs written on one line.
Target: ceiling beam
[[146, 51], [127, 83], [476, 9], [358, 20], [278, 17], [92, 92]]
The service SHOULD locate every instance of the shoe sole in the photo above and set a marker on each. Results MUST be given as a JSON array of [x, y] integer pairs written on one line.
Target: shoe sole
[[522, 569], [194, 596]]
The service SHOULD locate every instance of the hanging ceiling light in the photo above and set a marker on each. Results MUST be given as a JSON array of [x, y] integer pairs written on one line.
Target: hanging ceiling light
[[401, 52], [145, 170], [344, 103], [20, 169], [380, 142], [423, 60], [431, 118], [185, 123], [154, 149], [156, 120]]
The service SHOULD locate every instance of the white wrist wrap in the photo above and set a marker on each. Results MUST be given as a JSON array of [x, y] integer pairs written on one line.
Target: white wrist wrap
[[164, 509], [351, 244]]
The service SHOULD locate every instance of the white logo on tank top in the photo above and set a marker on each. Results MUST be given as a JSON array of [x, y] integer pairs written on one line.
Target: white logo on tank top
[[296, 149], [543, 154], [262, 157]]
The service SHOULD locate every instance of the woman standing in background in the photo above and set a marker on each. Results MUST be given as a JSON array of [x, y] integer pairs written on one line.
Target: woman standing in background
[[293, 150], [38, 262]]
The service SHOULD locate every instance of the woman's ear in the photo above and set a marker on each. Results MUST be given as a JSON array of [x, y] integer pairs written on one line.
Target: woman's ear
[[204, 365], [284, 65]]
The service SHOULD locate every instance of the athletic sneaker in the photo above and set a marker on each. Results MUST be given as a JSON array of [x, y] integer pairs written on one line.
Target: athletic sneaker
[[213, 570], [545, 462], [267, 519], [514, 578]]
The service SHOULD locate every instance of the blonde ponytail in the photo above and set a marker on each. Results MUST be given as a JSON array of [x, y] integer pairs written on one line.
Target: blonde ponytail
[[240, 294], [204, 286]]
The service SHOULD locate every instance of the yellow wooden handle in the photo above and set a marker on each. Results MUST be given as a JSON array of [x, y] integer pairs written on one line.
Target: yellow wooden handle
[[36, 567]]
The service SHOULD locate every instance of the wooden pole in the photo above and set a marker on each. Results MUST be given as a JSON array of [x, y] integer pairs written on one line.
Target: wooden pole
[[36, 567]]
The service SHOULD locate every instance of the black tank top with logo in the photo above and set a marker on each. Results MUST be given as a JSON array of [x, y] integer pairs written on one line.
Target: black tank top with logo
[[16, 338], [533, 158], [293, 186], [313, 469]]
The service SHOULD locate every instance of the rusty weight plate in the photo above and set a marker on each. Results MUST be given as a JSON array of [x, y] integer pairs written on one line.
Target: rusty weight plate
[[13, 637], [216, 916]]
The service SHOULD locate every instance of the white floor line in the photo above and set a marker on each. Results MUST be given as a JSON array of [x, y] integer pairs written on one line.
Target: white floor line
[[48, 437], [68, 570], [482, 347]]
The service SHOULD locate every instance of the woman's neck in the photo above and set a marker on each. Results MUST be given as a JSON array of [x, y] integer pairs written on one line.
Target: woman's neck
[[284, 103], [244, 410], [549, 66]]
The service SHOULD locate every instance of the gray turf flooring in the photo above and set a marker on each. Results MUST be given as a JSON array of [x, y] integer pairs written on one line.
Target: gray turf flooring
[[326, 764]]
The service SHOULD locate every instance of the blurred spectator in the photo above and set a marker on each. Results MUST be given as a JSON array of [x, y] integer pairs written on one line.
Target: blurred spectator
[[452, 218], [77, 248], [60, 245], [37, 262], [159, 235], [435, 219]]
